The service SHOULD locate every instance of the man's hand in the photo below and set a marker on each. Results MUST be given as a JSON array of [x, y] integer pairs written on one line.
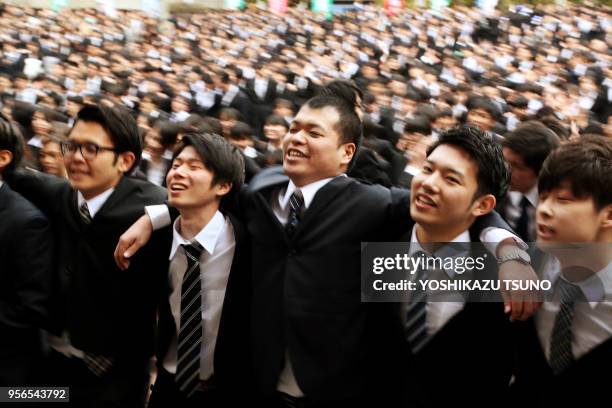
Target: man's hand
[[521, 304], [132, 240]]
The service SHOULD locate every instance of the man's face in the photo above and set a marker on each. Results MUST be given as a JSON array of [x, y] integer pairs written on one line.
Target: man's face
[[562, 217], [274, 132], [442, 195], [312, 149], [189, 182], [445, 122], [40, 124], [96, 175], [51, 159], [480, 118], [523, 177]]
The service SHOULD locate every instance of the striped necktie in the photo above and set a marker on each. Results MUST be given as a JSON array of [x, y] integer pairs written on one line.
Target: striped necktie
[[190, 332], [561, 355], [84, 213], [296, 205], [415, 327]]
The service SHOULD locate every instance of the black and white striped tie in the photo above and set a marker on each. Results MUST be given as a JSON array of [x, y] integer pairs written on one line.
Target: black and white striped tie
[[84, 213], [415, 327], [561, 355], [296, 204], [190, 332]]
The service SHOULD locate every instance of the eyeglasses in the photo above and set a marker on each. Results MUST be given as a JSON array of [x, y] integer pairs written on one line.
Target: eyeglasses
[[88, 150]]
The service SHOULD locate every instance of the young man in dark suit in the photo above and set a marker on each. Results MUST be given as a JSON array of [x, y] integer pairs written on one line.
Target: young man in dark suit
[[203, 354], [314, 342], [26, 259], [460, 339], [565, 350], [102, 323]]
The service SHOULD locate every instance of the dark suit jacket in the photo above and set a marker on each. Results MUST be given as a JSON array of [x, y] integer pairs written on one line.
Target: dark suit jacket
[[232, 360], [585, 383], [105, 310], [26, 263], [469, 361], [306, 290]]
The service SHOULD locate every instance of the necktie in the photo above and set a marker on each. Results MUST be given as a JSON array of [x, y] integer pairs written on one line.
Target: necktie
[[190, 331], [415, 326], [84, 213], [296, 204], [561, 355], [98, 365], [522, 224]]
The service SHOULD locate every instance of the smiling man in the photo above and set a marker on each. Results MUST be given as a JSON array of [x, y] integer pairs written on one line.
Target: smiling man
[[314, 342], [102, 324]]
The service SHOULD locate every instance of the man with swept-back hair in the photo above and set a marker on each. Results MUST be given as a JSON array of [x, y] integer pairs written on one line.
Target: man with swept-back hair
[[102, 323]]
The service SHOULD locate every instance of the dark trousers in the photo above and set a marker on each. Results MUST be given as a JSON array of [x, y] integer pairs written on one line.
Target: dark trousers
[[167, 394], [125, 385]]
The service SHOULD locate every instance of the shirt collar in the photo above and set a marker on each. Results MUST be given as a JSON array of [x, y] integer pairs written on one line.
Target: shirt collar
[[308, 192], [596, 288], [94, 204], [532, 197], [444, 252], [207, 237]]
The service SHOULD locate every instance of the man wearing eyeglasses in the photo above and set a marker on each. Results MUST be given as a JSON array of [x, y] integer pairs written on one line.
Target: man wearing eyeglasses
[[102, 324]]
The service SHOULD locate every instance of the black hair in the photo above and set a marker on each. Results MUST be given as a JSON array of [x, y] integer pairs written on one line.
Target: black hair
[[168, 132], [241, 131], [11, 140], [223, 159], [418, 124], [493, 172], [533, 141], [484, 104], [120, 125], [586, 164], [277, 120]]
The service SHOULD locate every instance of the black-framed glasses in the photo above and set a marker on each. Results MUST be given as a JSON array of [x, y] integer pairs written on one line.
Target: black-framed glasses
[[88, 150]]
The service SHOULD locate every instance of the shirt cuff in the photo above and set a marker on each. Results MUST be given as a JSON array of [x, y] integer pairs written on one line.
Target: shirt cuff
[[159, 216], [491, 237]]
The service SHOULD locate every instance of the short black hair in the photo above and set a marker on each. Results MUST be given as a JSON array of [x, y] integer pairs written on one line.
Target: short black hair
[[223, 159], [168, 132], [586, 164], [11, 140], [533, 141], [493, 172], [240, 131], [484, 104], [276, 120], [120, 125], [418, 124]]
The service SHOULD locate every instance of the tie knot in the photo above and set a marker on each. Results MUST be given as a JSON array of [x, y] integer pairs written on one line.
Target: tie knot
[[525, 203], [296, 201], [193, 251], [84, 212]]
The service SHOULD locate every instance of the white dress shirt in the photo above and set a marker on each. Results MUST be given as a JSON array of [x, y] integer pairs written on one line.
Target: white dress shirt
[[94, 204], [438, 313], [217, 239], [592, 324], [513, 209]]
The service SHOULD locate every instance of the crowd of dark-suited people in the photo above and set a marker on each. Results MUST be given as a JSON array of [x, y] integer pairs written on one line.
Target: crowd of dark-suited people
[[250, 154]]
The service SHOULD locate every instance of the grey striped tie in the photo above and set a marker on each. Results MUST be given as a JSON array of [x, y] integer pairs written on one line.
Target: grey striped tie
[[84, 213], [561, 355], [415, 327], [190, 332], [296, 204]]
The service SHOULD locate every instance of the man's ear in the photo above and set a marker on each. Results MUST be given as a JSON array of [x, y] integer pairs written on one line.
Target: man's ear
[[348, 151], [222, 189], [606, 219], [484, 205], [126, 161], [6, 157]]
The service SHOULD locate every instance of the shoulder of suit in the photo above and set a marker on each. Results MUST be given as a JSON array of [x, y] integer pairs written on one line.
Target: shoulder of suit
[[267, 177], [21, 210], [156, 192]]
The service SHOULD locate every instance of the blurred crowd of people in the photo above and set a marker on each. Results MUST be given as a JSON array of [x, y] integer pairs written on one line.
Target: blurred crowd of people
[[244, 74]]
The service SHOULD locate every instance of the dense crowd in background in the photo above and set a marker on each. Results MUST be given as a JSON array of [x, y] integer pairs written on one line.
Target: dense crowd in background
[[244, 74]]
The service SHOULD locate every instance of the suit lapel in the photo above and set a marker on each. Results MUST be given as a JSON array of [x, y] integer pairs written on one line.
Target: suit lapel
[[322, 199]]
